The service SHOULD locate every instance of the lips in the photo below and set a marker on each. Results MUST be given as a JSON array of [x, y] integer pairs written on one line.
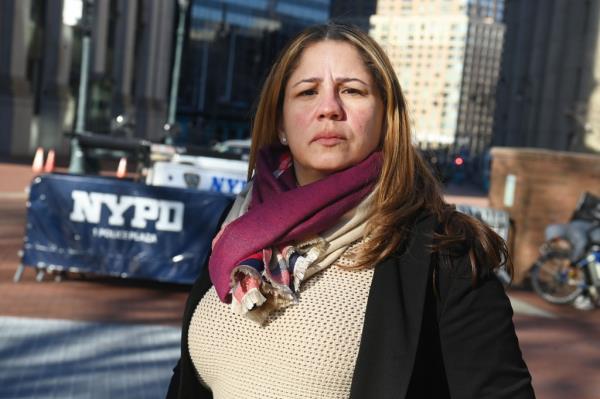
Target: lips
[[328, 139]]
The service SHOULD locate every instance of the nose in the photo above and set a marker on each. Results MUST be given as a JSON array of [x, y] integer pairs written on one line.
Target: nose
[[330, 106]]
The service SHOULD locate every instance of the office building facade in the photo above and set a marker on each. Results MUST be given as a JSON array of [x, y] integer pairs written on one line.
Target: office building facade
[[436, 48], [481, 70], [129, 65]]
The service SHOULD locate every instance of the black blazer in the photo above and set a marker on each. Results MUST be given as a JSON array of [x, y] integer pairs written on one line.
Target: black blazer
[[428, 333]]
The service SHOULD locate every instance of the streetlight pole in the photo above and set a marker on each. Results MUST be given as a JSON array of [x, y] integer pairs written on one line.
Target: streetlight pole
[[76, 163], [85, 67], [183, 6]]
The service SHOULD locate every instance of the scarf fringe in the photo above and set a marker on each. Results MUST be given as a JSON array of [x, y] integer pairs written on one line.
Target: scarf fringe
[[251, 300], [303, 263]]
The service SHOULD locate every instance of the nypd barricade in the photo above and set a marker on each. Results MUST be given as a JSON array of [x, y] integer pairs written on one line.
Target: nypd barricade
[[119, 228]]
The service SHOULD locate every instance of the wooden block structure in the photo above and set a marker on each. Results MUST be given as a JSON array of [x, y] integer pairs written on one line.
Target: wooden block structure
[[538, 187]]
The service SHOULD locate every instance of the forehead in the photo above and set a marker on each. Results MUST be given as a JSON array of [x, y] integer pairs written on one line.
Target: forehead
[[339, 58]]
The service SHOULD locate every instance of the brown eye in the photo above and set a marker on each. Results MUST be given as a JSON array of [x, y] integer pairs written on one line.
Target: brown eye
[[308, 92], [352, 91]]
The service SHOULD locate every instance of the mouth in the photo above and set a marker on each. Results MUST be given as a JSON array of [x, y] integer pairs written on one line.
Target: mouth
[[328, 139]]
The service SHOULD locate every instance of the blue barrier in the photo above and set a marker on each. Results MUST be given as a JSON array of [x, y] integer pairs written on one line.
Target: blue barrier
[[119, 228], [497, 219]]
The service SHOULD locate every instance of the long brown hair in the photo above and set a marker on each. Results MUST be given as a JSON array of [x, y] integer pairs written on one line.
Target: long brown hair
[[406, 188]]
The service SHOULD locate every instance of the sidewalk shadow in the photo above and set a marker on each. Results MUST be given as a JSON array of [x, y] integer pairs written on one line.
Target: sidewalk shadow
[[61, 359]]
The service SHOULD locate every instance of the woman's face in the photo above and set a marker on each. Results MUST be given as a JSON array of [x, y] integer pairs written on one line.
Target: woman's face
[[332, 112]]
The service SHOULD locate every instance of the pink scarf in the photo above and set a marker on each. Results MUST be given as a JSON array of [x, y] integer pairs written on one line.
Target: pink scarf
[[280, 212]]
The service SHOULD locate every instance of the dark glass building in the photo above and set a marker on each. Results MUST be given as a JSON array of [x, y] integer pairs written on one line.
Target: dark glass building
[[355, 12], [230, 46]]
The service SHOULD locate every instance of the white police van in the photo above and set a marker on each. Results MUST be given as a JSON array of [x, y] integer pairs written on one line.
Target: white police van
[[213, 173]]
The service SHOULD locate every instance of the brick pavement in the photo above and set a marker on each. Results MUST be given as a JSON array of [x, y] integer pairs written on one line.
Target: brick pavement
[[561, 345], [563, 351]]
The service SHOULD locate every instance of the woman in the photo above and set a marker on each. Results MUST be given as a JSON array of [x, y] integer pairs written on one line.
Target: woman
[[341, 272]]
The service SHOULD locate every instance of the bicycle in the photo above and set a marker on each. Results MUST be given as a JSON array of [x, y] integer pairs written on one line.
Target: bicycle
[[560, 280]]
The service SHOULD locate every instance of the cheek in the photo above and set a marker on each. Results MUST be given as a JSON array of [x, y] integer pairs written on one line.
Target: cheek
[[302, 118], [368, 123], [296, 123]]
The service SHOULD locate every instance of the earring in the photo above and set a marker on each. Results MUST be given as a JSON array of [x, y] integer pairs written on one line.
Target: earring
[[283, 140]]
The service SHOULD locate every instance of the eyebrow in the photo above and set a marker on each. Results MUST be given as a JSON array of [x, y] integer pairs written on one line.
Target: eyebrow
[[338, 80]]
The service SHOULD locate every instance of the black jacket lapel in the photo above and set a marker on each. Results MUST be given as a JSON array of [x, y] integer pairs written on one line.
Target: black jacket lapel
[[393, 320]]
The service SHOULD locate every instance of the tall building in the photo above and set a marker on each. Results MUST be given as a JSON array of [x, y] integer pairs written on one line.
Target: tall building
[[229, 49], [481, 70], [548, 96], [446, 55]]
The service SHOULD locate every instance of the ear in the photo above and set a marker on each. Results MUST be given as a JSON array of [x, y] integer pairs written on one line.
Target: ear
[[280, 132], [282, 138]]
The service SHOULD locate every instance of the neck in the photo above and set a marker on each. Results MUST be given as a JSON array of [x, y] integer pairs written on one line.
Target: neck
[[304, 177]]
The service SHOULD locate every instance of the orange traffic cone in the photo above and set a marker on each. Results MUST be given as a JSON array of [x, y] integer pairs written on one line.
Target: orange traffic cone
[[49, 166], [122, 168], [38, 161]]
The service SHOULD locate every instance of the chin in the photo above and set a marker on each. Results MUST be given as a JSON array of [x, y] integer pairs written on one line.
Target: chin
[[330, 168]]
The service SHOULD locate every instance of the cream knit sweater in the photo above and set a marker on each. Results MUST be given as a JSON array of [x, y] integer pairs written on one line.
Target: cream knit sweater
[[305, 351]]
